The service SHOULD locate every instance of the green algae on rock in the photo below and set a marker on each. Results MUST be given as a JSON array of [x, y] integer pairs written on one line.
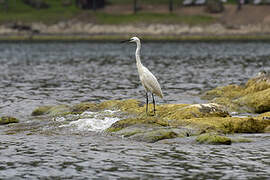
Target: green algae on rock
[[213, 138], [150, 133], [171, 120], [51, 110], [241, 140], [8, 120], [253, 97]]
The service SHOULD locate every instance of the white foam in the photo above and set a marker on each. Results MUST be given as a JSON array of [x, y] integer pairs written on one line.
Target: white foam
[[93, 124], [93, 121]]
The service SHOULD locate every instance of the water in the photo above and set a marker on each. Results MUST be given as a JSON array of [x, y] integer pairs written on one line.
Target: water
[[33, 74]]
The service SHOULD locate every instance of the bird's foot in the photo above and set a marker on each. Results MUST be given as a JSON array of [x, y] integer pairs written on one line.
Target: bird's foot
[[151, 114]]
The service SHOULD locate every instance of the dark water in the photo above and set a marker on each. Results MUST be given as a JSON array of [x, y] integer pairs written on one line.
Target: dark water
[[68, 73]]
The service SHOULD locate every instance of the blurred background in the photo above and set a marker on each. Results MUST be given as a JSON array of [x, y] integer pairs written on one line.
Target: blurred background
[[28, 18]]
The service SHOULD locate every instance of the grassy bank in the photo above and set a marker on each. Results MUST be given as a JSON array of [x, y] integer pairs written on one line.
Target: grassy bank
[[18, 11]]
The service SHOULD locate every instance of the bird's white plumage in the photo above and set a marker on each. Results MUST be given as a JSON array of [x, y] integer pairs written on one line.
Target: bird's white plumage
[[149, 81]]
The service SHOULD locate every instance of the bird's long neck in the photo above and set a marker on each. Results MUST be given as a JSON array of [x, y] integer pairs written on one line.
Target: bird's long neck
[[137, 54]]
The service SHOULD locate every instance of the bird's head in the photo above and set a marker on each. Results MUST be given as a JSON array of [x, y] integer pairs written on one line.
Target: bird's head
[[133, 39]]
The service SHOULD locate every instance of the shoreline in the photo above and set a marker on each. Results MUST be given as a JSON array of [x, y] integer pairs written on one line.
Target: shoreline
[[81, 31], [145, 38]]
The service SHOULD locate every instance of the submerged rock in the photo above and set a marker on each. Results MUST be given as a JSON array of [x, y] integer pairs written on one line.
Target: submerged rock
[[8, 120], [212, 138], [52, 110], [253, 97]]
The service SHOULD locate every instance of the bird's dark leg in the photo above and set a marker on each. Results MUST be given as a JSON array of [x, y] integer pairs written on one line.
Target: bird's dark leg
[[154, 103], [146, 102]]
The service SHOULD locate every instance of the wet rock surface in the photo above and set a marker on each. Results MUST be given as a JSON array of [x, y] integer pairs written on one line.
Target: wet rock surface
[[8, 120], [253, 97], [207, 121]]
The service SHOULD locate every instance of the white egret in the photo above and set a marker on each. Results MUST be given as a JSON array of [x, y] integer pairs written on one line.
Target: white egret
[[148, 80]]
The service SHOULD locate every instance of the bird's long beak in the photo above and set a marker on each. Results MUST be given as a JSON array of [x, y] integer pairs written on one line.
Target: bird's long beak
[[124, 41]]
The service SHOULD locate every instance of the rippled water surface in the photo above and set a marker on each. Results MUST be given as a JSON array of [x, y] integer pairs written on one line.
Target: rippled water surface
[[33, 74]]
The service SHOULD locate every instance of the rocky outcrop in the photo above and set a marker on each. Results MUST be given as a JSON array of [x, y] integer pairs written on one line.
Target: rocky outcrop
[[212, 138], [8, 120], [171, 120], [207, 121], [253, 97]]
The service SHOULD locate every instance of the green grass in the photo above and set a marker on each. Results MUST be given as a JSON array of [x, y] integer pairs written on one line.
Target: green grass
[[103, 18], [18, 11]]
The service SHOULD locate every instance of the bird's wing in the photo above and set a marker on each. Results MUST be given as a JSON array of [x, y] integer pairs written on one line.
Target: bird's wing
[[150, 82]]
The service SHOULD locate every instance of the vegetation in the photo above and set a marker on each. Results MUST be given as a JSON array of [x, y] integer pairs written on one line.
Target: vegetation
[[211, 138], [18, 11], [254, 97], [7, 120]]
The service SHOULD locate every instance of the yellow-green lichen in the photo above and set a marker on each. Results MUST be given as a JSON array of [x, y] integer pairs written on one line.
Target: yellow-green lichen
[[52, 110], [255, 85], [230, 91], [8, 120], [241, 140], [130, 105], [81, 107], [41, 110], [259, 101], [211, 138], [253, 97], [267, 129], [155, 135], [194, 116]]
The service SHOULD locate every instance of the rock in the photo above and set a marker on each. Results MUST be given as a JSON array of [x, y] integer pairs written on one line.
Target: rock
[[267, 129], [212, 138], [150, 133], [52, 110], [8, 120], [254, 97], [170, 121], [241, 140], [200, 118], [80, 108], [155, 135]]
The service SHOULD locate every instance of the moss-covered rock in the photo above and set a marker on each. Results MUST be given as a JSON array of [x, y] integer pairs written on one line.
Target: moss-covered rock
[[85, 106], [253, 97], [241, 140], [267, 129], [52, 110], [41, 110], [257, 102], [180, 120], [212, 138], [202, 118], [155, 135], [150, 133], [8, 120]]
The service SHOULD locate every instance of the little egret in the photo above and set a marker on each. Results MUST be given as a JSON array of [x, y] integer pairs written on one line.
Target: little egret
[[148, 80]]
